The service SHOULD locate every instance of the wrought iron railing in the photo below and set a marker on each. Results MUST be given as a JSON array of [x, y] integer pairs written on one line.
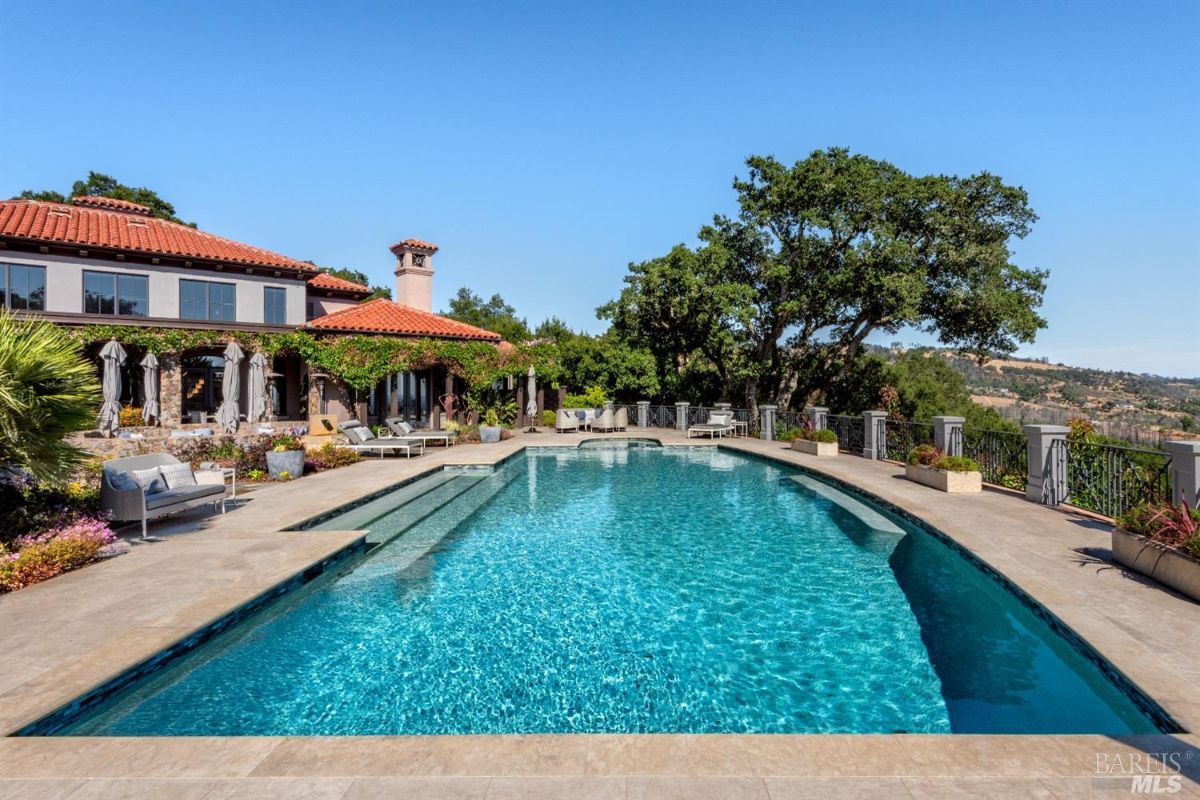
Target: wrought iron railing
[[1003, 456], [787, 420], [895, 438], [660, 417], [849, 430], [1110, 479]]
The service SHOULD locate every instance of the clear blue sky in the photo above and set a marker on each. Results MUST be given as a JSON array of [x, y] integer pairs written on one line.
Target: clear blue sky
[[545, 146]]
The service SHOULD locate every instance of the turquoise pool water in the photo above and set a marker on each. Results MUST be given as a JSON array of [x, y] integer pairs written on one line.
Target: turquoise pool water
[[639, 590]]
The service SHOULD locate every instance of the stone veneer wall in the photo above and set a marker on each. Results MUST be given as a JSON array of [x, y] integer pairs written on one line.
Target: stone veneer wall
[[170, 391], [156, 439]]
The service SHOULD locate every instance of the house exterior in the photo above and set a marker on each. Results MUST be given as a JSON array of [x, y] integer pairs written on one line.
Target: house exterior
[[103, 262]]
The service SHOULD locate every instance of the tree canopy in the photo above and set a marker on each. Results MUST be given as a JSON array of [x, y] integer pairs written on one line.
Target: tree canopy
[[777, 301], [99, 185], [493, 315]]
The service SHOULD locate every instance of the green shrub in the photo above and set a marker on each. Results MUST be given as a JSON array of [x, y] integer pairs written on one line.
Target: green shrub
[[592, 397], [330, 457], [956, 464], [786, 434], [824, 436], [53, 552], [1173, 525], [491, 418], [923, 454], [549, 419], [47, 390]]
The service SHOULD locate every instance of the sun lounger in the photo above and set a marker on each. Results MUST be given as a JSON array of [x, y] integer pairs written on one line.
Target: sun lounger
[[363, 439], [719, 424], [403, 430]]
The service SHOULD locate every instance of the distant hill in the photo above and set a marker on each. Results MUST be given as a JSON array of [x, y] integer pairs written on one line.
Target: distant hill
[[1137, 407]]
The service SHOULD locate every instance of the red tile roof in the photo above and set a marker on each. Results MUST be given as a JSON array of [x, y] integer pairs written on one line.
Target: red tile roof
[[384, 316], [333, 283], [417, 243], [128, 230], [112, 204]]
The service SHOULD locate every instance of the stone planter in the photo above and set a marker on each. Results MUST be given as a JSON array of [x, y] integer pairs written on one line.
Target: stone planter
[[815, 448], [289, 461], [944, 481], [489, 435], [1166, 565]]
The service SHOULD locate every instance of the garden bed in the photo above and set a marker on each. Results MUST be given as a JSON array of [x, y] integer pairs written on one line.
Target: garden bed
[[945, 480], [1157, 561], [822, 449]]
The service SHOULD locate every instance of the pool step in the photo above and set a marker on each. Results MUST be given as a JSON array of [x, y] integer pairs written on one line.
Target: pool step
[[386, 527], [882, 535], [362, 516]]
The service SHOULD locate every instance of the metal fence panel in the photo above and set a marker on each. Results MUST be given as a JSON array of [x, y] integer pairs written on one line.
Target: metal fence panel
[[1003, 456], [1110, 479], [849, 431]]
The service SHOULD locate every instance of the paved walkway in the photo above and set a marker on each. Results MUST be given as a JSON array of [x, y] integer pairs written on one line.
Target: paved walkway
[[60, 638]]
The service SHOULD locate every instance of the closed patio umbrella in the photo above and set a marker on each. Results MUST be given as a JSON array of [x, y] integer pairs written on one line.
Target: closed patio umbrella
[[227, 414], [110, 383], [150, 388], [258, 387], [531, 404]]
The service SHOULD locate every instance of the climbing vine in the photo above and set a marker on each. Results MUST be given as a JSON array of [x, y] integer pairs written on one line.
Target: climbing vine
[[359, 362]]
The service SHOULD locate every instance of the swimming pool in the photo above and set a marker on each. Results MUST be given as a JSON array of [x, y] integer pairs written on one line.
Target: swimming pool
[[674, 589]]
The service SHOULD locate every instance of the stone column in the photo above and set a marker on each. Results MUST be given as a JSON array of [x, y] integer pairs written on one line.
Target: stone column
[[681, 415], [360, 412], [1047, 479], [170, 390], [766, 422], [723, 406], [1185, 472], [872, 446], [947, 435], [643, 413], [818, 417]]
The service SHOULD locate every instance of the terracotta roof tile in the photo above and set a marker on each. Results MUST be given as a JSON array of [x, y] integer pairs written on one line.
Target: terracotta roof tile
[[384, 316], [335, 284], [112, 204], [417, 243], [56, 223]]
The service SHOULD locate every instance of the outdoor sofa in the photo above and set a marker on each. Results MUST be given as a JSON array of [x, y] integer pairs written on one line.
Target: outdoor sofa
[[720, 423], [150, 486], [363, 439]]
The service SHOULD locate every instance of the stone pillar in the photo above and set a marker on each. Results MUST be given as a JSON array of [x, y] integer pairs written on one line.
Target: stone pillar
[[947, 435], [681, 415], [448, 388], [818, 417], [541, 404], [766, 422], [643, 413], [360, 411], [1185, 472], [170, 390], [723, 406], [1047, 479], [872, 446]]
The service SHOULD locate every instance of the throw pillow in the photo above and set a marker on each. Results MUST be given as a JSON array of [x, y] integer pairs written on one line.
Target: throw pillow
[[122, 481], [177, 475], [150, 479]]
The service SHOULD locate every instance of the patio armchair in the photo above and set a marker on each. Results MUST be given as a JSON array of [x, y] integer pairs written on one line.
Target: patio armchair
[[604, 421], [397, 427], [141, 488], [566, 421], [621, 418], [363, 439]]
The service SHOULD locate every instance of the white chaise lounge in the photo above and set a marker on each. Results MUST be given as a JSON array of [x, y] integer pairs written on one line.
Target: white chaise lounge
[[403, 430], [720, 423], [363, 439]]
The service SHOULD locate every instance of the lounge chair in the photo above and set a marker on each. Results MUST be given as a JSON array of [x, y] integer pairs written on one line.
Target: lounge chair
[[162, 485], [363, 439], [719, 423], [604, 421], [566, 421], [621, 418], [398, 427]]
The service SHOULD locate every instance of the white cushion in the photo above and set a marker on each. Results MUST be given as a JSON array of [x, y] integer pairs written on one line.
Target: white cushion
[[177, 476]]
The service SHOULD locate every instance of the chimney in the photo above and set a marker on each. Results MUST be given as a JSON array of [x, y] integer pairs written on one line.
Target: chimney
[[414, 273]]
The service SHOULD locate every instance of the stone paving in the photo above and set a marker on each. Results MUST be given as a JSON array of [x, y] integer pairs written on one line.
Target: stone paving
[[62, 637]]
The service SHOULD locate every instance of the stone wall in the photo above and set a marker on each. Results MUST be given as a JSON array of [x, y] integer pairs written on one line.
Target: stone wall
[[155, 439]]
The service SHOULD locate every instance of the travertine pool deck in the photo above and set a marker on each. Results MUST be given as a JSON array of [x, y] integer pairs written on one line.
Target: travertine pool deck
[[60, 638]]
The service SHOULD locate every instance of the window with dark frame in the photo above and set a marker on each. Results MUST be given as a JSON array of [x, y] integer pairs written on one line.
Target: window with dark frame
[[22, 287], [205, 300], [274, 306], [115, 293]]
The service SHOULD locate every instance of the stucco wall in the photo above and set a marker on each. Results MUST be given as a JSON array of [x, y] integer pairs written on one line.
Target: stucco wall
[[64, 286]]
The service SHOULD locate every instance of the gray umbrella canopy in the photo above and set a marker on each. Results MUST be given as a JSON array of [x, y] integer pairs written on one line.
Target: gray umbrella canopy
[[531, 393], [150, 388], [231, 386], [258, 387], [113, 356]]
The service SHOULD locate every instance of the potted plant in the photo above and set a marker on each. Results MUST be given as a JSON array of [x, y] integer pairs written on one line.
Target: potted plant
[[489, 431], [1161, 541], [821, 442], [954, 474], [285, 457]]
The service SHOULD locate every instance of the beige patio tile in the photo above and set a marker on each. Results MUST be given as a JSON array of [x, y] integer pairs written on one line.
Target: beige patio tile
[[44, 789], [981, 756], [833, 755], [144, 789], [449, 788], [977, 789], [352, 756], [279, 789], [837, 789], [577, 787], [697, 788]]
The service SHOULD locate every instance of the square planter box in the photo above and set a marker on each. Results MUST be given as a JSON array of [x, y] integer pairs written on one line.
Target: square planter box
[[952, 482], [815, 448], [1169, 567]]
